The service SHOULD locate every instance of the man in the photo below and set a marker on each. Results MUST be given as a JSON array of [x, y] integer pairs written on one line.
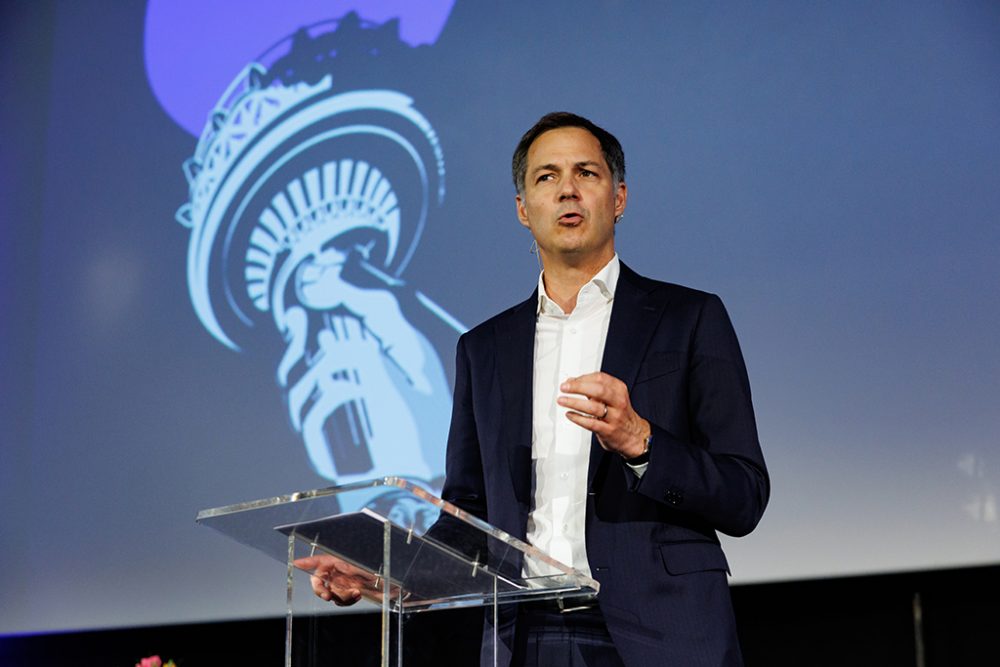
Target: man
[[607, 420]]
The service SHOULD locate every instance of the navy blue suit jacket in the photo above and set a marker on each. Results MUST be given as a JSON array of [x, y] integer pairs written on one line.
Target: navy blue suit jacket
[[651, 542]]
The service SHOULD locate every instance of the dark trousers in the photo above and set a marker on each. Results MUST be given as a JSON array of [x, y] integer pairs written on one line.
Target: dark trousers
[[547, 638]]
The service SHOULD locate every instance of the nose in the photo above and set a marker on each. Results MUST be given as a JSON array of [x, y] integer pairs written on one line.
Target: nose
[[568, 190]]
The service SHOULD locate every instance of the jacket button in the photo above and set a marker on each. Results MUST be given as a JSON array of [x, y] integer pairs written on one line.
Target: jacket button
[[674, 497]]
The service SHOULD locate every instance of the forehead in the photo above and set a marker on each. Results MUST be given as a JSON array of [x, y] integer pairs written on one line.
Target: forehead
[[565, 144]]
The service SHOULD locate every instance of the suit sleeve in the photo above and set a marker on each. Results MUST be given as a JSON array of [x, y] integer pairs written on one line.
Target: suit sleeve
[[717, 471], [464, 484]]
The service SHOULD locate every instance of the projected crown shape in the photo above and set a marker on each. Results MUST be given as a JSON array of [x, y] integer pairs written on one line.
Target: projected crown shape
[[281, 170], [245, 108]]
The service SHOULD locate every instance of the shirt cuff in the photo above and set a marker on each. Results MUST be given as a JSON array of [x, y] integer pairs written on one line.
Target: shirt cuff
[[639, 469]]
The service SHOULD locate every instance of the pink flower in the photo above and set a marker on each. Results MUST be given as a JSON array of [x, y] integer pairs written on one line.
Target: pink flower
[[151, 661]]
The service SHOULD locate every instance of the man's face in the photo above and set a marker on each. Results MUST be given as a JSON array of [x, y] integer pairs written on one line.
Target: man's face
[[570, 201]]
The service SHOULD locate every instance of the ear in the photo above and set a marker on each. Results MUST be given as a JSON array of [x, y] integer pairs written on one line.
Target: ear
[[621, 198], [522, 214]]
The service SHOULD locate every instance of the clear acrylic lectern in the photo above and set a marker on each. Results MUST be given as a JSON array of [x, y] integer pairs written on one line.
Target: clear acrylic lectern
[[412, 551]]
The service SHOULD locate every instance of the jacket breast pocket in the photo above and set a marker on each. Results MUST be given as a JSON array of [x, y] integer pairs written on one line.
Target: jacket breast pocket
[[687, 557], [657, 364]]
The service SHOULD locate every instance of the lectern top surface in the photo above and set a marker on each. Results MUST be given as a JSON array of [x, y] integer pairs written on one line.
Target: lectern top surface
[[432, 553]]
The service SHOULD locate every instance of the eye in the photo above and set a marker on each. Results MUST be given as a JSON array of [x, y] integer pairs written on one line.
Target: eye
[[588, 173], [543, 178]]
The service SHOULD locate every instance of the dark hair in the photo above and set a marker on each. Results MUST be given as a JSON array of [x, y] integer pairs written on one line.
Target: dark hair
[[610, 147]]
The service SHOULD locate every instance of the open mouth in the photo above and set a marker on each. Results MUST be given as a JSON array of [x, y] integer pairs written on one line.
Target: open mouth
[[570, 218]]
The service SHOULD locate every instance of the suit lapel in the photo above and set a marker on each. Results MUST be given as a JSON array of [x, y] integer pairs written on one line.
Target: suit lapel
[[635, 315], [515, 344]]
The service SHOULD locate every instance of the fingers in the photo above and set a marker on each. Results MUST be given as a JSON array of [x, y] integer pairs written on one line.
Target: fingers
[[331, 592], [339, 595], [327, 565], [333, 579], [310, 562], [595, 396], [586, 407], [598, 387], [600, 404], [596, 426]]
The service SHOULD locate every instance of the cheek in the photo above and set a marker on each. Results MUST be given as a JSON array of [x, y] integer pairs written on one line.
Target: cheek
[[522, 215], [521, 208], [529, 212]]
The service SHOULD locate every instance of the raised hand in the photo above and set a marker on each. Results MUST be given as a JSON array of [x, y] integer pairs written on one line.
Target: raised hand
[[600, 403]]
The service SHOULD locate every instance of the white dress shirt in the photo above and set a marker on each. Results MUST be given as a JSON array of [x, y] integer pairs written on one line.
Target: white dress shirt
[[566, 345]]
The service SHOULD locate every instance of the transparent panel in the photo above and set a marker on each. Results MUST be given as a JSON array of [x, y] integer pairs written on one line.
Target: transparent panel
[[440, 556]]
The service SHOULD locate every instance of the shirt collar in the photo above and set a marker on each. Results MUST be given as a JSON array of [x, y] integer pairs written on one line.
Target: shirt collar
[[605, 281]]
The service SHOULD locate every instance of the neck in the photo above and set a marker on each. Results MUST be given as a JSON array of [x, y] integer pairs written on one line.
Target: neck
[[564, 280]]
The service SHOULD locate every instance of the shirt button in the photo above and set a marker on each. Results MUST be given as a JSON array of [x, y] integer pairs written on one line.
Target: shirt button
[[564, 475], [573, 330]]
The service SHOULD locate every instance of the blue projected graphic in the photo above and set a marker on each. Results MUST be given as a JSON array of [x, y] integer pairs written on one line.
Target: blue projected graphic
[[306, 203]]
